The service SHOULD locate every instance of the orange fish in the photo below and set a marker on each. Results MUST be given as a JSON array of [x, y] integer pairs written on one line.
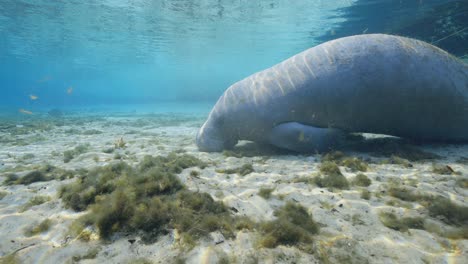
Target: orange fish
[[33, 97], [70, 90], [26, 112], [44, 79]]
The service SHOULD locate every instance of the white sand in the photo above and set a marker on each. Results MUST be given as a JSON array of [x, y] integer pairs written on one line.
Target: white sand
[[350, 231]]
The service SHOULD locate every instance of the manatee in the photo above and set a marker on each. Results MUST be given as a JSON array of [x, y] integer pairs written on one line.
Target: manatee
[[375, 83]]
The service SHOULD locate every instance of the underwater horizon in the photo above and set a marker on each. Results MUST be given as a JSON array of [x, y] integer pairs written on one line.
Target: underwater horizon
[[59, 54]]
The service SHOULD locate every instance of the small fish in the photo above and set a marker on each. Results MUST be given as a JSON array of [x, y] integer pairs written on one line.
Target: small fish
[[70, 90], [332, 32], [26, 112], [33, 97], [365, 30], [44, 79]]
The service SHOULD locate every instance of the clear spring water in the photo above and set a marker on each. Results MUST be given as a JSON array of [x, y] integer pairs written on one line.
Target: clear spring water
[[63, 61], [119, 52]]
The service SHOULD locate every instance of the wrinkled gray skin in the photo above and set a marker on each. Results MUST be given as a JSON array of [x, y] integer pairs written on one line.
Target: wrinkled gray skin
[[366, 83]]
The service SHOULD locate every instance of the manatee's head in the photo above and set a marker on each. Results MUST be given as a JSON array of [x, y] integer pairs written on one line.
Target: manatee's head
[[212, 136]]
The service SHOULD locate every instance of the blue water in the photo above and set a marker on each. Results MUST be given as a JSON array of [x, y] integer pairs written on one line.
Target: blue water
[[116, 52]]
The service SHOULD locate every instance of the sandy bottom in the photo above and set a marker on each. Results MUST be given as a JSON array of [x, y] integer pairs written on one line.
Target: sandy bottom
[[350, 228]]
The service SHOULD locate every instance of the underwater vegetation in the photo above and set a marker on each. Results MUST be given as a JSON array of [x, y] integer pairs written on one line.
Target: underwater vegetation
[[37, 229], [10, 259], [447, 211], [68, 155], [147, 199], [36, 200], [443, 169], [399, 203], [147, 261], [439, 207], [242, 170], [332, 176], [27, 126], [353, 163], [90, 254], [403, 224], [45, 173], [398, 160], [34, 176], [27, 157], [119, 143], [463, 182], [390, 220], [293, 226], [361, 180], [265, 193], [365, 194]]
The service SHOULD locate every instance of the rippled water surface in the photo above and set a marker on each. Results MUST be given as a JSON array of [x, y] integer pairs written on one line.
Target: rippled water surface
[[117, 51]]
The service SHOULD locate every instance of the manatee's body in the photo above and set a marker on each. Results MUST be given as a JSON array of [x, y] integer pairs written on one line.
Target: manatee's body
[[367, 83]]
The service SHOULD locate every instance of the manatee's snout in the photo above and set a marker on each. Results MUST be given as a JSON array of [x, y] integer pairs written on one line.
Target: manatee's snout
[[210, 138], [208, 141]]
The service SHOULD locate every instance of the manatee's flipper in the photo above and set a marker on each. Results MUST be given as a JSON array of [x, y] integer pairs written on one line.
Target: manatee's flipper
[[302, 138]]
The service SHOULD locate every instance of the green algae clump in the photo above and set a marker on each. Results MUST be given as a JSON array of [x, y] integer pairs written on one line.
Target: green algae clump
[[398, 160], [44, 173], [265, 193], [68, 155], [148, 200], [242, 170], [438, 206], [365, 194], [40, 228], [33, 176], [3, 194], [390, 220], [339, 158], [448, 211], [362, 180], [333, 177], [36, 200], [293, 226]]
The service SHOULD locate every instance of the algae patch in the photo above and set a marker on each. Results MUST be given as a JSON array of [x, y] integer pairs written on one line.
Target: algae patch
[[333, 177], [390, 220], [36, 200], [242, 170], [438, 207], [42, 227], [362, 180], [339, 158], [68, 155], [44, 173], [265, 193], [293, 226], [148, 200]]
